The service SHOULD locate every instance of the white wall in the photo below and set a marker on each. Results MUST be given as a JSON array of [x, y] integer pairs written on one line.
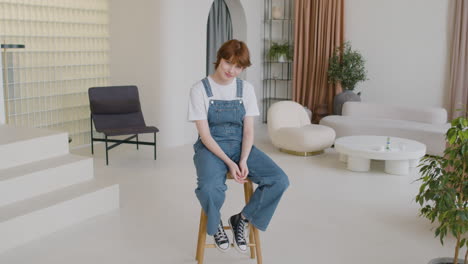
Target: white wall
[[171, 56], [134, 56], [406, 45], [2, 99]]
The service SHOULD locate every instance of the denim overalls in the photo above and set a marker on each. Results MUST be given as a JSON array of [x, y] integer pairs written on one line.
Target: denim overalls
[[225, 120]]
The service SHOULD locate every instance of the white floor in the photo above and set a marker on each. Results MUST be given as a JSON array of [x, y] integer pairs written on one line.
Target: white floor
[[328, 215]]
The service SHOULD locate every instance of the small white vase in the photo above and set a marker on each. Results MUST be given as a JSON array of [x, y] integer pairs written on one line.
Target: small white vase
[[277, 13], [282, 58]]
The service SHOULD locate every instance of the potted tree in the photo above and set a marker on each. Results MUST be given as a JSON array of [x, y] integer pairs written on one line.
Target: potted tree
[[443, 195], [346, 67], [280, 52]]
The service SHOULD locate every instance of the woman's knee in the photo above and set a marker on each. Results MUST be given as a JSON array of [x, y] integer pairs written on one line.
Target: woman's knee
[[208, 189], [282, 181]]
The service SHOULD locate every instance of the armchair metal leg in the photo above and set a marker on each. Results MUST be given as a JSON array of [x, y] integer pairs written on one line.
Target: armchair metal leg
[[137, 140], [154, 145], [107, 157], [92, 141]]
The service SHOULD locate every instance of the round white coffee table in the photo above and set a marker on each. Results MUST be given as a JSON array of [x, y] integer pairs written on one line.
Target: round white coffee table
[[358, 151]]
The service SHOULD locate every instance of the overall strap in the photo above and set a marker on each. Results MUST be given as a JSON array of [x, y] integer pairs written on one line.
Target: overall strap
[[207, 86], [240, 86]]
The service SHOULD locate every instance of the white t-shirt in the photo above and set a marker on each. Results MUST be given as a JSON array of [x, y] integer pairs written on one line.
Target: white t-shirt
[[199, 101]]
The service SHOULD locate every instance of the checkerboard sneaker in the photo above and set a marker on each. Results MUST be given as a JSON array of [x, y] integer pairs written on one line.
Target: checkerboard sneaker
[[221, 239], [239, 229]]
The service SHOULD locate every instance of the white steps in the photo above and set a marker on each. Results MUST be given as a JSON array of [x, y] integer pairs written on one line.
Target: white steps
[[30, 219], [44, 176], [24, 145], [43, 188]]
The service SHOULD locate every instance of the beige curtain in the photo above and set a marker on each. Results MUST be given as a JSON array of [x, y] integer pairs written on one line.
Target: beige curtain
[[318, 30], [459, 66]]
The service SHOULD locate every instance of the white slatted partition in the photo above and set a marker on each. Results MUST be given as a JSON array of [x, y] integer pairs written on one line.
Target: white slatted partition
[[66, 52]]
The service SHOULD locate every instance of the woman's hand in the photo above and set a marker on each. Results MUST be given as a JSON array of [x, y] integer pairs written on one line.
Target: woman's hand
[[236, 172], [244, 171]]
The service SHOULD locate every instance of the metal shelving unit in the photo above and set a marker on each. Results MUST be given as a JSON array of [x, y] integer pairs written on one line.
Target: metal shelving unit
[[277, 75]]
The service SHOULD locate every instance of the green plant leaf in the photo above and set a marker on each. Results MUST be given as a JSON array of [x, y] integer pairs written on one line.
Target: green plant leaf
[[465, 134], [443, 194], [346, 66], [463, 122], [451, 133], [276, 50]]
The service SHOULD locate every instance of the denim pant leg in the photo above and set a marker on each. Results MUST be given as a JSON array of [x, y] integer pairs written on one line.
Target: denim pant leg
[[211, 185], [272, 182]]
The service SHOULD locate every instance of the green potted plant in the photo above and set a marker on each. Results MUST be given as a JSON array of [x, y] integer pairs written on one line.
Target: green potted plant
[[443, 195], [280, 52], [346, 67]]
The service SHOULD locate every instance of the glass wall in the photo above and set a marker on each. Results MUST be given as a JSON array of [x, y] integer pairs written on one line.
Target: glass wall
[[66, 51]]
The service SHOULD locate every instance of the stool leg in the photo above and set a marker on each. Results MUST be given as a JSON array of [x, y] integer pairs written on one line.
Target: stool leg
[[248, 190], [252, 240], [201, 237], [258, 248]]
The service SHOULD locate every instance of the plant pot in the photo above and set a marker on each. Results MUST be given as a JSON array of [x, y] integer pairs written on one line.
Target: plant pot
[[277, 13], [282, 58], [340, 99], [445, 261], [320, 111]]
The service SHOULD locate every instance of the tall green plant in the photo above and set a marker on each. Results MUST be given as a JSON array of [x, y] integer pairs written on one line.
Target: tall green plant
[[443, 195], [347, 67]]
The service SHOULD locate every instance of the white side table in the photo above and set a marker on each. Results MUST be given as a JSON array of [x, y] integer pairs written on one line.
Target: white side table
[[358, 151]]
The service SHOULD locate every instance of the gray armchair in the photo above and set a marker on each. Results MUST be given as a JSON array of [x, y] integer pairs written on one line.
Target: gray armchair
[[116, 111]]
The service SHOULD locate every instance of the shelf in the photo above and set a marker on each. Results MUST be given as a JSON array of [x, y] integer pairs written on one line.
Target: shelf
[[285, 39], [12, 46], [278, 61], [278, 27], [277, 98], [279, 19]]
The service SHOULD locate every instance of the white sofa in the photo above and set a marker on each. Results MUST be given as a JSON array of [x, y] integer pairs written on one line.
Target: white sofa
[[291, 131], [427, 125]]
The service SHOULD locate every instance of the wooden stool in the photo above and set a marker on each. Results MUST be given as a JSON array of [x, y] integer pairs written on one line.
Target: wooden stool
[[254, 238]]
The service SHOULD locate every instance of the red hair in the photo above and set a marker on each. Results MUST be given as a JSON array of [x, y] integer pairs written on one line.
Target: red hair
[[236, 51]]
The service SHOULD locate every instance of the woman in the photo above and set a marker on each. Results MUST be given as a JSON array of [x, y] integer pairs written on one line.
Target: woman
[[223, 108]]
